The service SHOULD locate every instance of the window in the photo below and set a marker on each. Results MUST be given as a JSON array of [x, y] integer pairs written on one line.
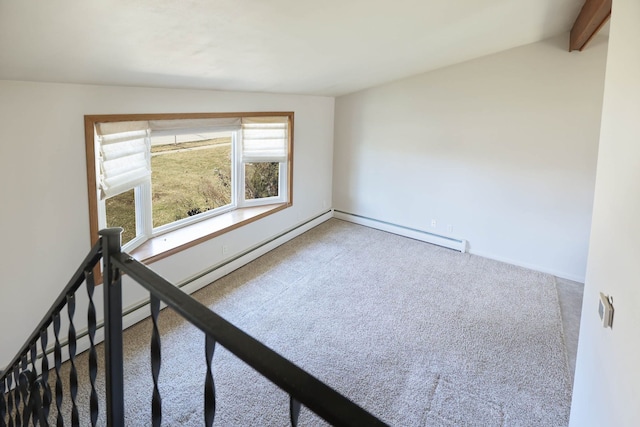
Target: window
[[157, 174]]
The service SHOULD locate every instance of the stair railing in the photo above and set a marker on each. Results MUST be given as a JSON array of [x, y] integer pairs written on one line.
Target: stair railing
[[26, 397]]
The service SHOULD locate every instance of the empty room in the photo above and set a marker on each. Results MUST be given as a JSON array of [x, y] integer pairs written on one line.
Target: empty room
[[343, 213]]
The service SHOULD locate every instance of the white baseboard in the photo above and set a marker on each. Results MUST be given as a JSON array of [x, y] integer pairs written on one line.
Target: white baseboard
[[212, 274], [557, 273], [447, 242], [140, 311]]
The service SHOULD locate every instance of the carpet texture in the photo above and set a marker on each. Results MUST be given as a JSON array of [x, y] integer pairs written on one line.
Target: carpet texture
[[416, 334], [570, 297]]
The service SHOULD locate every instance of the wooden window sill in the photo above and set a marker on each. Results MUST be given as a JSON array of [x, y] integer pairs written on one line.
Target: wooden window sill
[[172, 242]]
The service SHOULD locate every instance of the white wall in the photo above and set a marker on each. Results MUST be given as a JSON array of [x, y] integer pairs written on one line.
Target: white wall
[[44, 222], [607, 380], [503, 148]]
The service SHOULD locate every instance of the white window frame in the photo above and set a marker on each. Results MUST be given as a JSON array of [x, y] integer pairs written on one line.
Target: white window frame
[[241, 176], [157, 231], [143, 195]]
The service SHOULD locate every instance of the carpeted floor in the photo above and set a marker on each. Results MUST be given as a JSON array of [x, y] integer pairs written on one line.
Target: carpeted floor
[[570, 297], [416, 334]]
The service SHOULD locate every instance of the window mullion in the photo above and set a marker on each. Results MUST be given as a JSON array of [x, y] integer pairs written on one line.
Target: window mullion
[[144, 211], [102, 214], [238, 173], [283, 180]]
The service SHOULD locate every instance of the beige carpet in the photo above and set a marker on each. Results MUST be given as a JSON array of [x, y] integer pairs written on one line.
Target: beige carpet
[[417, 334]]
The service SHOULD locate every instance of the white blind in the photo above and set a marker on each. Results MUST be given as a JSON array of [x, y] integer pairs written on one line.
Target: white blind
[[124, 156], [265, 139], [189, 126]]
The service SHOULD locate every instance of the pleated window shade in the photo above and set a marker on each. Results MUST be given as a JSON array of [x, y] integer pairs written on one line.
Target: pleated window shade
[[265, 139], [193, 126], [124, 156], [125, 147]]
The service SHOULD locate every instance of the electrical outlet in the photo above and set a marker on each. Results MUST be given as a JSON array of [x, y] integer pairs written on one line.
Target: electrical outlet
[[434, 224]]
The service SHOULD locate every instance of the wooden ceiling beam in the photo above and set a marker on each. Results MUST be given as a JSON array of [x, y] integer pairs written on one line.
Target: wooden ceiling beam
[[592, 17]]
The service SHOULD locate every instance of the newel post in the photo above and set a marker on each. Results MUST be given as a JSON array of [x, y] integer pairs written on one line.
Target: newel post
[[114, 359]]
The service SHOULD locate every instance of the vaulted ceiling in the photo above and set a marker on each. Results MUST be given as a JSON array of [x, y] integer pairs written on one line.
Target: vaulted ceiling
[[328, 47]]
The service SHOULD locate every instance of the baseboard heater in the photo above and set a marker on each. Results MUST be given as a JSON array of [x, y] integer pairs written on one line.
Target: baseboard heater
[[436, 239], [140, 310]]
